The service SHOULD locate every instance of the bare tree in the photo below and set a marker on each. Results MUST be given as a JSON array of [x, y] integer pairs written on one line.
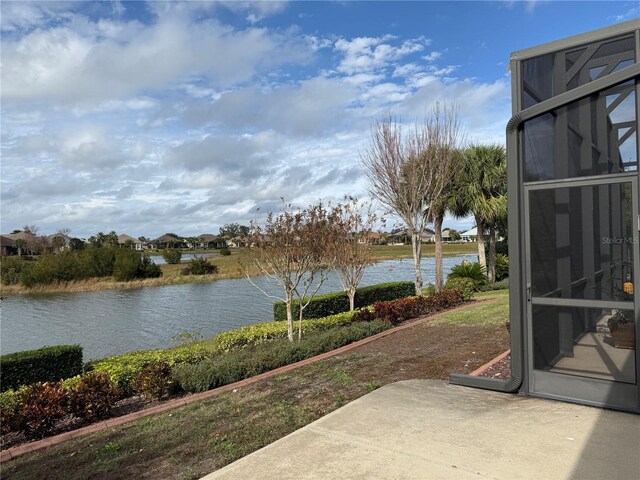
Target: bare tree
[[409, 171], [350, 243], [288, 251]]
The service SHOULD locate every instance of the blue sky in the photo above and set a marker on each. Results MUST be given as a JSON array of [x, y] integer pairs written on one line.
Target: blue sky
[[146, 117]]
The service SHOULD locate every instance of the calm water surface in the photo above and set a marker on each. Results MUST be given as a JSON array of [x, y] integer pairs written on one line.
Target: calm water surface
[[111, 322]]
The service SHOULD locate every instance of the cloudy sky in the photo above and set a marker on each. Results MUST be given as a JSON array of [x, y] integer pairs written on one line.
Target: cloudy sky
[[152, 117]]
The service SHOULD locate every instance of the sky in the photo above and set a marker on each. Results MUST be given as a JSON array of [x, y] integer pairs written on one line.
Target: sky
[[149, 117]]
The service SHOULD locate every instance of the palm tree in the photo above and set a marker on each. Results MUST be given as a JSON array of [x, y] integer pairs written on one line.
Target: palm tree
[[481, 190]]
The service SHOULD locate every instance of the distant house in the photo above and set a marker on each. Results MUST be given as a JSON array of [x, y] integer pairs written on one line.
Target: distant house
[[472, 235], [208, 240], [373, 238], [7, 246], [30, 242], [446, 236], [167, 241], [236, 242], [59, 242], [124, 239]]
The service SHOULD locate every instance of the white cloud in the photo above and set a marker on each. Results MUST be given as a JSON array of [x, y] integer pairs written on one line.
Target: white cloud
[[367, 54], [64, 64], [433, 56]]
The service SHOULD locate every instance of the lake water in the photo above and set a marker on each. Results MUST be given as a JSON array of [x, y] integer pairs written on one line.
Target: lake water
[[112, 322]]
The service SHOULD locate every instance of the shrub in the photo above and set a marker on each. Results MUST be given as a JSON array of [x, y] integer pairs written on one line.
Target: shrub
[[124, 368], [93, 395], [464, 285], [474, 271], [98, 261], [234, 366], [501, 285], [9, 411], [148, 269], [12, 268], [50, 268], [154, 381], [397, 311], [126, 265], [337, 302], [225, 252], [430, 289], [502, 266], [40, 406], [200, 266], [42, 365], [173, 256]]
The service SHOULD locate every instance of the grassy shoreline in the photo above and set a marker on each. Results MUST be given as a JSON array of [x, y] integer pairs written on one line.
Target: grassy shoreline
[[229, 268]]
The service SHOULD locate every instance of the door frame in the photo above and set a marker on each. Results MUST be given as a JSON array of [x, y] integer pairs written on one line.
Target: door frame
[[585, 390]]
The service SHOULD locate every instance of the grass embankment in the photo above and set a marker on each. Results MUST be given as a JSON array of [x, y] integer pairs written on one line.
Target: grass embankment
[[192, 441], [228, 268]]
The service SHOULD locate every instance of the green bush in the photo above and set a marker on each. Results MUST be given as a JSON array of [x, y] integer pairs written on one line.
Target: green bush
[[501, 285], [173, 256], [225, 252], [502, 267], [123, 369], [472, 270], [9, 411], [337, 302], [126, 265], [50, 268], [465, 285], [239, 364], [42, 365], [200, 266], [12, 268]]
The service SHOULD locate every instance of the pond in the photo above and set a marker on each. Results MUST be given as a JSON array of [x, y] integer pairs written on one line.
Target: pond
[[112, 322]]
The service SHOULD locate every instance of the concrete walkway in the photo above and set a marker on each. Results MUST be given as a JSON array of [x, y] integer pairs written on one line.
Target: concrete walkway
[[426, 429]]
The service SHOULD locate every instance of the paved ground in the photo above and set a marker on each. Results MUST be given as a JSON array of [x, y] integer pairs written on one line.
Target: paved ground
[[428, 429]]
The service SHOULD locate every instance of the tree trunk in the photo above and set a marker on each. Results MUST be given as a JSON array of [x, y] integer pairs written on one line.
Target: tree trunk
[[437, 224], [417, 257], [289, 321], [351, 293], [482, 259], [491, 272]]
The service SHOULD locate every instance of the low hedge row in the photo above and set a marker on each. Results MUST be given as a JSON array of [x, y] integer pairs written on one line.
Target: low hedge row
[[337, 302], [239, 364], [35, 410], [123, 368], [398, 311], [42, 365]]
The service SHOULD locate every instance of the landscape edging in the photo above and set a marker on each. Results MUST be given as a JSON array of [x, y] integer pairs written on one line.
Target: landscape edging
[[479, 371], [20, 450]]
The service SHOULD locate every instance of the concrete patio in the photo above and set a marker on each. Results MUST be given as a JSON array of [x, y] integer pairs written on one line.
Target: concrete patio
[[426, 429]]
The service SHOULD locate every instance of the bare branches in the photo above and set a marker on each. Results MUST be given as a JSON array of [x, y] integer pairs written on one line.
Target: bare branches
[[288, 250], [408, 172]]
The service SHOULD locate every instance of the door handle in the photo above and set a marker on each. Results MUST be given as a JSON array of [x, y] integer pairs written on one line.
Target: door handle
[[528, 293]]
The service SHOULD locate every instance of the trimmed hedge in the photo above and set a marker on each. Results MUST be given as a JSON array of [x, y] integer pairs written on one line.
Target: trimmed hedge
[[239, 364], [46, 364], [398, 311], [338, 302], [124, 368]]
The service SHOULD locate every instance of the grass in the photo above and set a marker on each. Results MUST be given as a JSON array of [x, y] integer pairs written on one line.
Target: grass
[[192, 441], [228, 268]]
